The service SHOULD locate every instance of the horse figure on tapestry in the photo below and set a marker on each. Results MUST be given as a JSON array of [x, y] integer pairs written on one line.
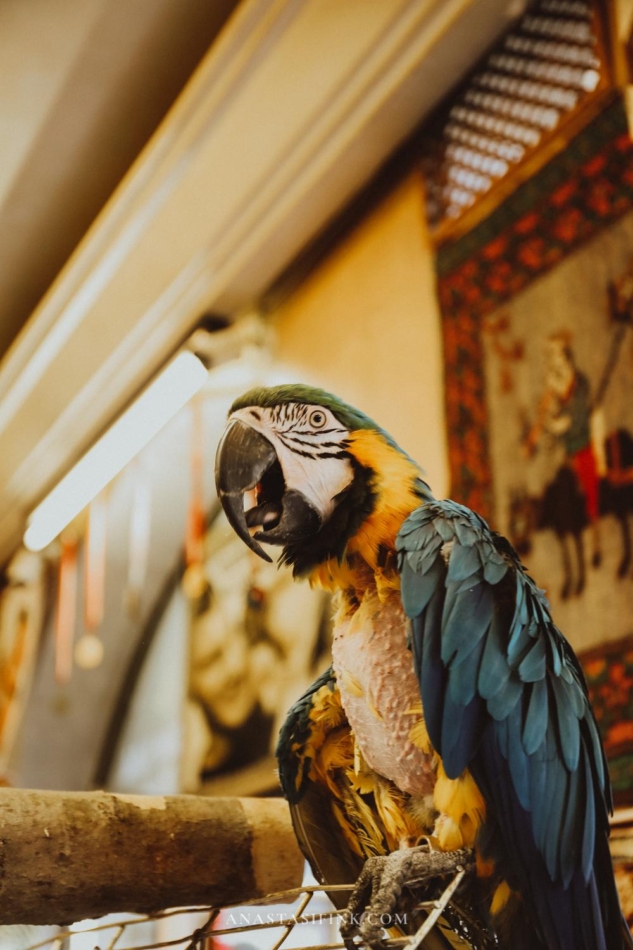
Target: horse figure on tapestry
[[562, 508]]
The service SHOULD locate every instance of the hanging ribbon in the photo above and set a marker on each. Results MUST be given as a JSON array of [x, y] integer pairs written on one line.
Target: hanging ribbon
[[66, 616], [11, 663], [139, 538], [95, 563], [194, 580]]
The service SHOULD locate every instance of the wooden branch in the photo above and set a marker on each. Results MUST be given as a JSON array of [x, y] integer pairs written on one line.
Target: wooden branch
[[65, 856]]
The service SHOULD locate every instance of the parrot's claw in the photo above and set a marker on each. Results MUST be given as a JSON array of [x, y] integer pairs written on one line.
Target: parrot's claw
[[373, 902]]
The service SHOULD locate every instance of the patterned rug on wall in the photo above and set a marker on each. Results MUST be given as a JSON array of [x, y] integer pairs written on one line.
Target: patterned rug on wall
[[537, 308], [570, 200]]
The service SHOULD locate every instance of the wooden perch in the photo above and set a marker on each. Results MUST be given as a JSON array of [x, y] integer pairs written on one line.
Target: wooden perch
[[65, 856]]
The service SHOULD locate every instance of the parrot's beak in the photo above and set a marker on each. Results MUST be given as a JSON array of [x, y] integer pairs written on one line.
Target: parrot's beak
[[246, 460]]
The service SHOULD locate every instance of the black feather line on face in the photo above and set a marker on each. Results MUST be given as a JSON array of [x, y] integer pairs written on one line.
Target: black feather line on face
[[295, 450], [328, 431], [353, 506], [292, 440], [286, 437]]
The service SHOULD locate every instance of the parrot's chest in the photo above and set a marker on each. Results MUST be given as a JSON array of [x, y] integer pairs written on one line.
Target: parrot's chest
[[380, 693]]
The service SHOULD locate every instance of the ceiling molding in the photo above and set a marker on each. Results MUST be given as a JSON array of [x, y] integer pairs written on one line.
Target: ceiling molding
[[293, 109]]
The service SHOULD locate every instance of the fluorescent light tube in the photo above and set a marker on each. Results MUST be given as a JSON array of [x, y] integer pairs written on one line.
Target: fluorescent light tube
[[162, 399]]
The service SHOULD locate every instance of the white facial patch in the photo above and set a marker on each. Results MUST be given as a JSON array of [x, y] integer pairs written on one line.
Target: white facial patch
[[319, 480], [307, 440]]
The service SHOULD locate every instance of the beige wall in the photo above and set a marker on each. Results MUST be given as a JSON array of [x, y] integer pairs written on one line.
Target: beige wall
[[366, 326]]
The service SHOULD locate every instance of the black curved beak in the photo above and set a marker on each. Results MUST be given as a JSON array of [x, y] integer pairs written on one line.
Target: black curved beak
[[245, 460], [243, 457]]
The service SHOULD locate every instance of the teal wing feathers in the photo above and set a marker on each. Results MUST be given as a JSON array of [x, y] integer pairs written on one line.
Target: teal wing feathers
[[319, 834], [503, 695]]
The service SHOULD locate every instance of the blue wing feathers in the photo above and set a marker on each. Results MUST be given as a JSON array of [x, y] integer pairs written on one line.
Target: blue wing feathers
[[421, 590], [521, 639], [433, 674], [517, 760], [532, 667], [504, 695], [458, 608], [495, 570], [463, 563], [467, 534], [464, 671], [429, 554], [577, 698], [465, 623], [589, 827], [570, 854], [461, 739], [538, 779], [568, 728], [495, 671], [445, 530], [502, 736], [557, 796], [536, 719], [503, 702]]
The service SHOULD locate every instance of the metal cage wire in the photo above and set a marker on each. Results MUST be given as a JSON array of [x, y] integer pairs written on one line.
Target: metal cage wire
[[203, 937]]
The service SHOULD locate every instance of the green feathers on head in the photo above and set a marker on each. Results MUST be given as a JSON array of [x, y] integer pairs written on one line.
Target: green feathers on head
[[267, 397]]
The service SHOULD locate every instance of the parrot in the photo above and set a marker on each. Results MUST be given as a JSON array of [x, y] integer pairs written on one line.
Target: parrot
[[455, 718]]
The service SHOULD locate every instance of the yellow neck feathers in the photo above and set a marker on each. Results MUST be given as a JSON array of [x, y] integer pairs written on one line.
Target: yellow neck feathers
[[394, 484]]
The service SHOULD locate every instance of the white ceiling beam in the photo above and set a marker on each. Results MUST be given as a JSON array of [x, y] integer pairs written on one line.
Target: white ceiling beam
[[293, 109]]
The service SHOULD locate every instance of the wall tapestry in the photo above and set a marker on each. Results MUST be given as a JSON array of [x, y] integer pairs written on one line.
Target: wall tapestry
[[609, 672], [537, 306]]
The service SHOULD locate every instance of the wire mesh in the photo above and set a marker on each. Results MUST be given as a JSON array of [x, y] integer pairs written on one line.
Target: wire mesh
[[310, 923]]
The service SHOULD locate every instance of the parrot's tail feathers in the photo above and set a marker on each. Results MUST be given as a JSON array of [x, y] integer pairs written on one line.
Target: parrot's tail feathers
[[567, 921], [515, 928], [585, 914], [615, 927]]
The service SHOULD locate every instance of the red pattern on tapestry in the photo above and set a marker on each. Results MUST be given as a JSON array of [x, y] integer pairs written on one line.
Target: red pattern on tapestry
[[562, 214]]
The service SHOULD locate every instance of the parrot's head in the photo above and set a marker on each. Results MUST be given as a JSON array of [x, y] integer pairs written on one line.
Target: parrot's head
[[298, 467]]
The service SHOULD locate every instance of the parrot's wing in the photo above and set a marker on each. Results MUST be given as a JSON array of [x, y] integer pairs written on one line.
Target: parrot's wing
[[338, 823], [316, 816], [504, 696]]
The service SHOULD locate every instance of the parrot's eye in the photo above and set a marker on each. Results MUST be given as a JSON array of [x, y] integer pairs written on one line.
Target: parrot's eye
[[317, 419]]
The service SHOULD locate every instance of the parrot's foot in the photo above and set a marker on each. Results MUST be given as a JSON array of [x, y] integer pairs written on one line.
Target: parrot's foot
[[373, 902]]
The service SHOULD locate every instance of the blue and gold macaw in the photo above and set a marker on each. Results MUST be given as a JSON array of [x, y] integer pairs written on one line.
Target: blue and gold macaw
[[455, 710]]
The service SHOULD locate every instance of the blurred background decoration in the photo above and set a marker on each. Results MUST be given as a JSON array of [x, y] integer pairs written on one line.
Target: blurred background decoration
[[420, 204], [247, 665]]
